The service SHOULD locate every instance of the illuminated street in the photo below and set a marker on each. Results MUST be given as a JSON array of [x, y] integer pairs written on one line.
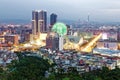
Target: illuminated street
[[88, 47]]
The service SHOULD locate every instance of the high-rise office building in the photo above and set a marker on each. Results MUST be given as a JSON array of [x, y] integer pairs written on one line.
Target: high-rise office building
[[52, 41], [43, 20], [39, 21], [34, 22], [53, 19]]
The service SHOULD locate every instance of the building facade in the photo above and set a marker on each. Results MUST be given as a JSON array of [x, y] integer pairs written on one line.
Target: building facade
[[39, 21], [12, 39], [52, 41], [53, 19]]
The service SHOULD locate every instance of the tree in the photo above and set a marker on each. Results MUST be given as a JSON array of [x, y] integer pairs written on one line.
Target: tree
[[28, 68], [1, 70], [66, 78]]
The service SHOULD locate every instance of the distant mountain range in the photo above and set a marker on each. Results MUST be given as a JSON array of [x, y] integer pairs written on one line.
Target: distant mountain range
[[25, 21], [69, 22], [15, 21]]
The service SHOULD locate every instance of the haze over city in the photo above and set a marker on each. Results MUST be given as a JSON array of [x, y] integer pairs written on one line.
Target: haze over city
[[59, 39], [99, 10]]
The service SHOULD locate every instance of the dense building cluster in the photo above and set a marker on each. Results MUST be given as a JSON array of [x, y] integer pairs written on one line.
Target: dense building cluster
[[85, 46], [6, 57]]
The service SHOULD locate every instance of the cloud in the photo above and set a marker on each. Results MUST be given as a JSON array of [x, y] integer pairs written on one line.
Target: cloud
[[68, 9]]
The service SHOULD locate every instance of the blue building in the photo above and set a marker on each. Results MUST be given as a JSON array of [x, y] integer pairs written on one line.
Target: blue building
[[53, 19]]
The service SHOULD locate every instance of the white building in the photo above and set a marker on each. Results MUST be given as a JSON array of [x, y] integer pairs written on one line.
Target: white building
[[61, 43]]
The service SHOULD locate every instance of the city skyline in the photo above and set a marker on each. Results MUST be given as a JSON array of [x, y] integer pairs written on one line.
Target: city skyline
[[100, 10]]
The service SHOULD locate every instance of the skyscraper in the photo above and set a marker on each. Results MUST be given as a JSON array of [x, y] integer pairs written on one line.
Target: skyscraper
[[34, 22], [43, 20], [39, 21], [52, 41], [53, 19]]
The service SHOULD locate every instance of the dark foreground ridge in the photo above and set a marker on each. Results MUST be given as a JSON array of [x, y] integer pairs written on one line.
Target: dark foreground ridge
[[34, 68]]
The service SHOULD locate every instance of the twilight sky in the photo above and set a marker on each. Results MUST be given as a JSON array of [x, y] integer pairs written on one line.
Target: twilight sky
[[99, 10]]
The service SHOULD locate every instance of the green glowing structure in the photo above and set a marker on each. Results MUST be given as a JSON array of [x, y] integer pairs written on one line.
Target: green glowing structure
[[60, 28]]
